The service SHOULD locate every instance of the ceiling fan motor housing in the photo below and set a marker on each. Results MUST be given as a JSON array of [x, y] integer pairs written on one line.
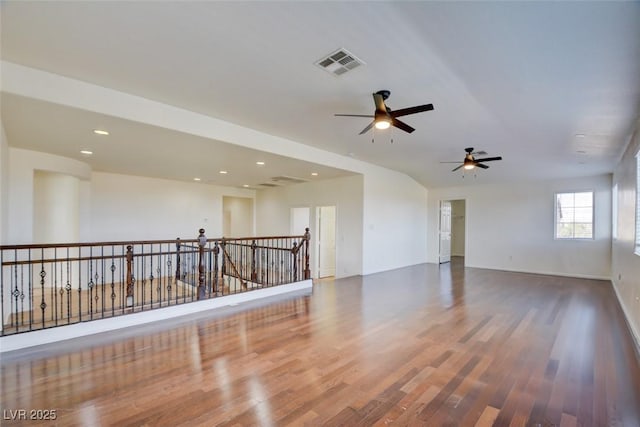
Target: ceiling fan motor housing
[[384, 93]]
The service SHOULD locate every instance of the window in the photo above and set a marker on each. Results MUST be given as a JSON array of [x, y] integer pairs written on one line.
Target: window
[[637, 249], [574, 215], [614, 211]]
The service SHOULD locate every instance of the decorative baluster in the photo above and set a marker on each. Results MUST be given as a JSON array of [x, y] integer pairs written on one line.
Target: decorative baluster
[[254, 274], [307, 238], [216, 251], [129, 276], [202, 241], [177, 260], [43, 304], [294, 252], [224, 262]]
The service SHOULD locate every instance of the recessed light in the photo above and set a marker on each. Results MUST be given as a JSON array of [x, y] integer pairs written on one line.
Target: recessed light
[[196, 179], [223, 172], [314, 173], [100, 132], [579, 135], [246, 185], [87, 152], [260, 163]]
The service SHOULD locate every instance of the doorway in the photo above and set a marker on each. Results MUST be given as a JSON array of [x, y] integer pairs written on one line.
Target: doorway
[[326, 241], [452, 230]]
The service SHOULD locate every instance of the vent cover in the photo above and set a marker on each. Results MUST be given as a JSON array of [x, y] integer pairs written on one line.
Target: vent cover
[[288, 179], [268, 184], [339, 62]]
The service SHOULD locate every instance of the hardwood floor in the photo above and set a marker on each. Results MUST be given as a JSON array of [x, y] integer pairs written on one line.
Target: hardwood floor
[[421, 346]]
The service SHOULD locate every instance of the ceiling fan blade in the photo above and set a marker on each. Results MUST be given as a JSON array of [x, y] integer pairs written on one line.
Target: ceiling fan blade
[[401, 125], [488, 159], [411, 110], [379, 101], [365, 130], [457, 168], [354, 115], [480, 165]]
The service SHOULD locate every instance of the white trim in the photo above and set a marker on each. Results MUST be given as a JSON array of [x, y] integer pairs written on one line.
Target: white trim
[[46, 336], [635, 334], [636, 240], [544, 273], [593, 216]]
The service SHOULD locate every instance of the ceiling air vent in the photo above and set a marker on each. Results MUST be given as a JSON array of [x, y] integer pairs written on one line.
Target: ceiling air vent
[[268, 184], [339, 62], [288, 179]]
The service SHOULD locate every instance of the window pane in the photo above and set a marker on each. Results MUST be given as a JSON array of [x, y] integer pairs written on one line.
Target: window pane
[[584, 199], [583, 214], [574, 215], [565, 231], [583, 230]]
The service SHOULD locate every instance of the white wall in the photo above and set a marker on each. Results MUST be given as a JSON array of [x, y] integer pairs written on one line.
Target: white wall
[[56, 216], [626, 264], [394, 222], [239, 211], [4, 184], [273, 210], [457, 227], [22, 166], [127, 207], [511, 227]]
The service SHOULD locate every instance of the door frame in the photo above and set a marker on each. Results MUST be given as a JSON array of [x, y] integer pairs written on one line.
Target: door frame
[[466, 225], [316, 265], [440, 204]]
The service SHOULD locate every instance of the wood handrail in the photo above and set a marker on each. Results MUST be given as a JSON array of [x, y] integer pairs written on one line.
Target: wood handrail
[[132, 242], [90, 258]]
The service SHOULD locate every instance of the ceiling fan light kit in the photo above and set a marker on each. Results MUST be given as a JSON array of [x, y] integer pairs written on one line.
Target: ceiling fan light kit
[[384, 117], [470, 162]]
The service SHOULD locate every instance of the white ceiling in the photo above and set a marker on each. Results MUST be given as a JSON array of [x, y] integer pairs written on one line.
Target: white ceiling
[[517, 79]]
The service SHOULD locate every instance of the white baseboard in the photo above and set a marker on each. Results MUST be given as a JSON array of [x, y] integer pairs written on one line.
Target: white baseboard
[[544, 273], [61, 333], [635, 334]]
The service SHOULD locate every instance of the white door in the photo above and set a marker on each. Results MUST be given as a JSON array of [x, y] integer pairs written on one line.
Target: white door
[[445, 231], [326, 228]]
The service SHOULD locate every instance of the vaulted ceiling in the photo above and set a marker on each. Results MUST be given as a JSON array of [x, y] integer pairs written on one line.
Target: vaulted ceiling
[[516, 79]]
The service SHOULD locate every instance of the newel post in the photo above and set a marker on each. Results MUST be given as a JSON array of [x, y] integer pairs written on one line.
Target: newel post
[[202, 242], [307, 238], [129, 302]]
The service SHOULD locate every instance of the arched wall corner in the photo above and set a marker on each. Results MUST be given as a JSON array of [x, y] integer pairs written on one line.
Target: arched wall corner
[[23, 165]]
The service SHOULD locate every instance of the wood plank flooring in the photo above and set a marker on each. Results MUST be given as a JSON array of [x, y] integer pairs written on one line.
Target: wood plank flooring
[[421, 346]]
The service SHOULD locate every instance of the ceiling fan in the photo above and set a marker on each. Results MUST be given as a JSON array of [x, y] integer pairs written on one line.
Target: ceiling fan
[[471, 162], [383, 116]]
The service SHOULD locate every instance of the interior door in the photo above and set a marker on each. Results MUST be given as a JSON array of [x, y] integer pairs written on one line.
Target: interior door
[[445, 231], [326, 218]]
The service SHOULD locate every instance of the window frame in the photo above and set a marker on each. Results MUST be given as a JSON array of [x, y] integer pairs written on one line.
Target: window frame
[[614, 211], [593, 216]]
